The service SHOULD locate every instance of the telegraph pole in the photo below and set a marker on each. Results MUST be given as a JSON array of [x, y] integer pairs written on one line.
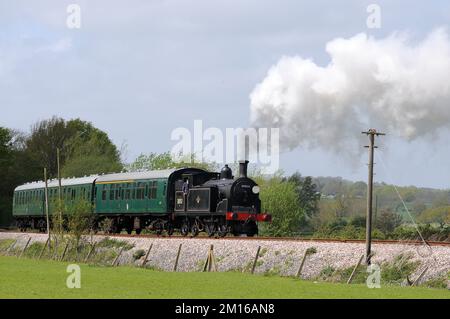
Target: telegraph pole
[[371, 133], [60, 206], [46, 202]]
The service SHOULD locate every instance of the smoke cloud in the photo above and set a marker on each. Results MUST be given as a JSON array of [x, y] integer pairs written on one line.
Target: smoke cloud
[[389, 84]]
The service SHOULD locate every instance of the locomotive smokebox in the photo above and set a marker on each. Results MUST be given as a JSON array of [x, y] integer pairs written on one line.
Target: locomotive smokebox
[[243, 168]]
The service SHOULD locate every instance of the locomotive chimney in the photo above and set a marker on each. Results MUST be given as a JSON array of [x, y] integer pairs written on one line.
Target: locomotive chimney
[[243, 168]]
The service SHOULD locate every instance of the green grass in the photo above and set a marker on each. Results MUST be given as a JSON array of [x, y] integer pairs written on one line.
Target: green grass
[[29, 278]]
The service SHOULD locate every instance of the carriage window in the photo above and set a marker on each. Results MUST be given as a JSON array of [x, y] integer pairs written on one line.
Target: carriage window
[[73, 195], [152, 189], [111, 192], [104, 192]]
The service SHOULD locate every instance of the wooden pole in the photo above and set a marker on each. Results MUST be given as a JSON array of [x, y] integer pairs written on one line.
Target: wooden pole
[[371, 133], [256, 259], [210, 263], [46, 202], [59, 190], [117, 257], [146, 255], [43, 248], [299, 272], [64, 251], [213, 259], [349, 281], [89, 253], [178, 257], [55, 253], [11, 246], [24, 248], [420, 276]]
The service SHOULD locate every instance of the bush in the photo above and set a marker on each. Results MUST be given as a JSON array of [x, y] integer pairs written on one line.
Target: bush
[[440, 282], [326, 273], [397, 270], [138, 254], [112, 242]]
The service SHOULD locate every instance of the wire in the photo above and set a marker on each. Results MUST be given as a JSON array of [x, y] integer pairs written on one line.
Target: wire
[[403, 202]]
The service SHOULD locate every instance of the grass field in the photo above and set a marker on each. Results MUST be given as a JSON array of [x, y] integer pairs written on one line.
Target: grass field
[[28, 278]]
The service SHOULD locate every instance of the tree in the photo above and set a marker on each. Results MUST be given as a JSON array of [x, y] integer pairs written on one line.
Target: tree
[[84, 149], [440, 215], [89, 151], [388, 221], [155, 161], [16, 167], [307, 194], [279, 198], [6, 160], [45, 138]]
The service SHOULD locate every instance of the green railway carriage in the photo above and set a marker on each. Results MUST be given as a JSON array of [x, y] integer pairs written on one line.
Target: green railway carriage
[[29, 199], [187, 199], [132, 193]]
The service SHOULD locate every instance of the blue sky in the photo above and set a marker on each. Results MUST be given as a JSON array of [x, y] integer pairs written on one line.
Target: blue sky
[[139, 69]]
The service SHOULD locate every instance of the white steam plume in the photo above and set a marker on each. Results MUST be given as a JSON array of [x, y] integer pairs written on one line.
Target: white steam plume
[[388, 84]]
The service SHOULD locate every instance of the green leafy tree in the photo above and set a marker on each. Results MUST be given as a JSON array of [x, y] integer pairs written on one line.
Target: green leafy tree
[[6, 161], [279, 198], [79, 220], [440, 215], [388, 221], [155, 161], [45, 138], [89, 151], [307, 194]]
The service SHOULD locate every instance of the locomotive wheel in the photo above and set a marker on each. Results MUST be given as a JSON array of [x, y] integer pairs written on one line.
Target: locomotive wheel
[[222, 231], [169, 229], [184, 230], [138, 231], [194, 230], [210, 230], [129, 230]]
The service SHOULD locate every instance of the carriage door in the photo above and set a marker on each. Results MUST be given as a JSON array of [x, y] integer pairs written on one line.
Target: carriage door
[[180, 198]]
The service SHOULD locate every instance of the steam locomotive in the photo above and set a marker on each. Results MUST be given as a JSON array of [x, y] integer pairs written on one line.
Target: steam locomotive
[[188, 200]]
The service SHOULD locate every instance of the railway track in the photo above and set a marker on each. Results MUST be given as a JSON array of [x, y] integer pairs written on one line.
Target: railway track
[[298, 239]]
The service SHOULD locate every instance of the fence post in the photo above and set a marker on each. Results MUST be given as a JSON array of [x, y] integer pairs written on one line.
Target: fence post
[[89, 253], [114, 263], [43, 248], [256, 259], [64, 252], [299, 271], [55, 253], [25, 248], [210, 262], [354, 270], [420, 276], [146, 255], [11, 246], [178, 257]]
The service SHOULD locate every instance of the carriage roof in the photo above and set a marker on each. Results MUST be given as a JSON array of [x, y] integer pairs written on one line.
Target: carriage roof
[[99, 178]]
